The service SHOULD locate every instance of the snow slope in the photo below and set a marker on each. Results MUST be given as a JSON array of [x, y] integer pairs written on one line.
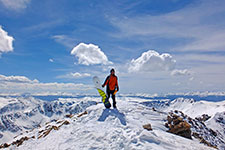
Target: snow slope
[[21, 114], [120, 128], [197, 108]]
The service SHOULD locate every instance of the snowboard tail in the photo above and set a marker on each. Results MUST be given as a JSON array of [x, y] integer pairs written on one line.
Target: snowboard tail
[[102, 94], [105, 99]]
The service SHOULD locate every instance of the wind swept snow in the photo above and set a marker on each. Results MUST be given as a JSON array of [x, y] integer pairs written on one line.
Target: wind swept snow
[[120, 128]]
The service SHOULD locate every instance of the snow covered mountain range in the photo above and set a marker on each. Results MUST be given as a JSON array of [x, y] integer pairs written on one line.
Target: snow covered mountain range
[[138, 123]]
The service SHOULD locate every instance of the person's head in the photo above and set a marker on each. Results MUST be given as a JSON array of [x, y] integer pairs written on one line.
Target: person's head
[[112, 71]]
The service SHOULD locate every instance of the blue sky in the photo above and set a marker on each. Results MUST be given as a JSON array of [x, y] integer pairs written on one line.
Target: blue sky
[[155, 46]]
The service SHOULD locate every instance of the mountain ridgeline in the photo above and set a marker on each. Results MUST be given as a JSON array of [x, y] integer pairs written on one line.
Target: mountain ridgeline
[[83, 123]]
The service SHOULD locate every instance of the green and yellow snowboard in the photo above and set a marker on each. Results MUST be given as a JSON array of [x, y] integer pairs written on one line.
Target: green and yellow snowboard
[[105, 99]]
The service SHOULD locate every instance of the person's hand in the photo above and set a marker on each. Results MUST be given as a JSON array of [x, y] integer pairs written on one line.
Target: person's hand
[[103, 85]]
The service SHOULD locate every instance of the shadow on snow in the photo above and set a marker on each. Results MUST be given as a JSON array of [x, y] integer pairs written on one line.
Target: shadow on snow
[[113, 112]]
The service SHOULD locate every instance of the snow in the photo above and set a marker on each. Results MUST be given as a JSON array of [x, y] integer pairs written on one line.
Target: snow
[[117, 129], [18, 115], [194, 109], [218, 122], [6, 101]]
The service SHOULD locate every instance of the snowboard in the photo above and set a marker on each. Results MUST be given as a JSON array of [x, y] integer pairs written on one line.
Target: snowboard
[[98, 86]]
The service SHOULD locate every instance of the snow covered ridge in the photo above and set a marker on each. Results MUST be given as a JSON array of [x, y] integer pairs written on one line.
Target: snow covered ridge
[[18, 115], [183, 125], [146, 95], [93, 127]]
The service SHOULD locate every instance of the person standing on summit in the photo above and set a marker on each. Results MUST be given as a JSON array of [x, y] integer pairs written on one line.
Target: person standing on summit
[[112, 86]]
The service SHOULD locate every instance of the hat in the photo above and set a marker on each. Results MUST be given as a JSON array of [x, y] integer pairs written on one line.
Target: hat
[[112, 70]]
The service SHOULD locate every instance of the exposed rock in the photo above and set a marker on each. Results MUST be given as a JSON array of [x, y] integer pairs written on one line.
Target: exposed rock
[[15, 111], [60, 121], [17, 142], [69, 116], [212, 132], [204, 134], [66, 122], [177, 120], [202, 140], [5, 145], [41, 131], [166, 125], [153, 108], [182, 129], [178, 126], [55, 128], [20, 141], [47, 132], [148, 127], [183, 125], [84, 113], [203, 118], [169, 119]]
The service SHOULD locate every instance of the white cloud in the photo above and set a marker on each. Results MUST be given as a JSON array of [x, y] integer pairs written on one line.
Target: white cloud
[[15, 4], [21, 84], [180, 72], [16, 79], [6, 42], [90, 54], [75, 75], [80, 75], [152, 61]]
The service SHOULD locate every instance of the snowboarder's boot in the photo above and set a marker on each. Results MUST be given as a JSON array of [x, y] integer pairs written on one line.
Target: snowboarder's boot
[[114, 105]]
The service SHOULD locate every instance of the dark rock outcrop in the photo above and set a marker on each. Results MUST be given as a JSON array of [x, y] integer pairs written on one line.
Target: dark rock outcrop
[[5, 145], [183, 125], [203, 118], [178, 126], [202, 140], [148, 127]]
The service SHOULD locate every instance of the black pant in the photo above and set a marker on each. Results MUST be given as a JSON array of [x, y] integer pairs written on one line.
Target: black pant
[[109, 92]]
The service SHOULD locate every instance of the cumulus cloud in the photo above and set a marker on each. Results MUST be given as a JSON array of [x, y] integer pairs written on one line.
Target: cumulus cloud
[[89, 54], [180, 72], [17, 79], [6, 42], [151, 61], [21, 84], [80, 75], [15, 4]]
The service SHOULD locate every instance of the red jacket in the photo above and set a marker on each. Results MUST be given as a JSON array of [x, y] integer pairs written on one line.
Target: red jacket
[[111, 82]]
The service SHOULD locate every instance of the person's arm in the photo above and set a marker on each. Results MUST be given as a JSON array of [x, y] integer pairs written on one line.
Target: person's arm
[[106, 82], [117, 86]]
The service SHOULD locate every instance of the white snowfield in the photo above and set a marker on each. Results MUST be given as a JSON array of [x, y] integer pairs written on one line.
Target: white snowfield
[[198, 108], [121, 129], [18, 115]]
